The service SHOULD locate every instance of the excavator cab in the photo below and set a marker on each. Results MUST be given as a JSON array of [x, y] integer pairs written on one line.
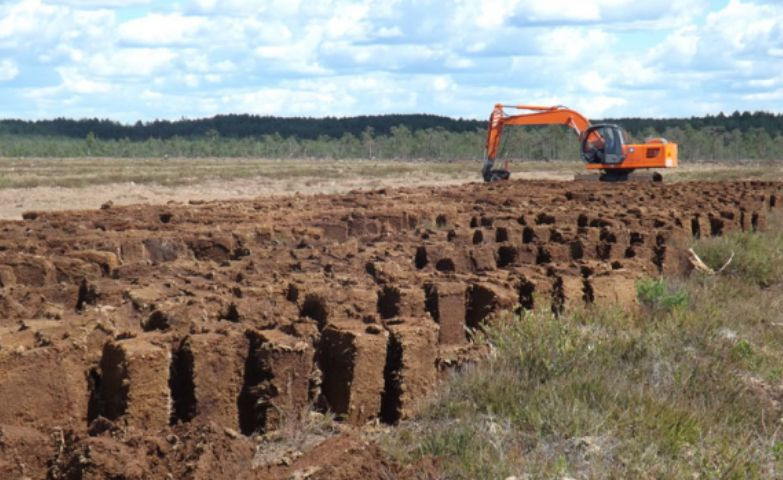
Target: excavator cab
[[604, 144]]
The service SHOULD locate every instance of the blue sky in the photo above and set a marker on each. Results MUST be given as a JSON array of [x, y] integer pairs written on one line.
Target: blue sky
[[146, 59]]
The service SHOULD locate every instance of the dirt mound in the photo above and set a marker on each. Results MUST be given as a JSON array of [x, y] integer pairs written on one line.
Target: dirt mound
[[138, 342]]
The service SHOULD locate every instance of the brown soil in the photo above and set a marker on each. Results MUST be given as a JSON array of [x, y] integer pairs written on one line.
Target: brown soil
[[146, 341], [15, 201]]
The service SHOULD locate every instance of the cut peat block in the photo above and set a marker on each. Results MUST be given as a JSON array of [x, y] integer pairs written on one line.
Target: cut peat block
[[410, 374], [352, 359], [134, 383], [277, 378]]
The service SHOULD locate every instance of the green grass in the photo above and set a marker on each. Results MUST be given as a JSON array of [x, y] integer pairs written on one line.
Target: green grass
[[687, 387], [768, 170], [757, 257], [657, 294]]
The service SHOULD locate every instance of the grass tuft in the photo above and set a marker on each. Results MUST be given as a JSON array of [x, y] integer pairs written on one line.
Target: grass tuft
[[758, 257], [658, 295]]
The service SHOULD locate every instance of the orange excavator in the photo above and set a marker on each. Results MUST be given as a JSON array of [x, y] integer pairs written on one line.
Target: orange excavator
[[604, 147]]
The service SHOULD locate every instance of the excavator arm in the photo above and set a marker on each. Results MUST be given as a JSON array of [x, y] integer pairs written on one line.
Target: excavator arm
[[537, 116]]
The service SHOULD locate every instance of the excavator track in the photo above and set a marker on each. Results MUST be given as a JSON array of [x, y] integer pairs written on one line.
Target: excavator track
[[655, 177]]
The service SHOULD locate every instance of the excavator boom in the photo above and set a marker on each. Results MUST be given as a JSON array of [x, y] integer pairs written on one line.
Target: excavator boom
[[602, 147], [538, 116]]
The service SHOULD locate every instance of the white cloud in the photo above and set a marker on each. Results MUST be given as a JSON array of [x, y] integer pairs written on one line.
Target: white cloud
[[593, 81], [101, 3], [621, 14], [157, 30], [130, 62], [389, 32], [598, 106], [574, 44], [767, 96], [343, 57], [679, 48], [348, 21], [299, 56], [8, 70], [190, 80], [733, 51], [560, 10], [74, 82], [766, 82], [443, 83], [273, 101], [745, 26], [148, 94], [27, 20]]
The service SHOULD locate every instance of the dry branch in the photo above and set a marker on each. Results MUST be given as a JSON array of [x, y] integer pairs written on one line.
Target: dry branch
[[699, 265]]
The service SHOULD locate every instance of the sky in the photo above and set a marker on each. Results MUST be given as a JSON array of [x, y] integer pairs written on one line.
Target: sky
[[130, 60]]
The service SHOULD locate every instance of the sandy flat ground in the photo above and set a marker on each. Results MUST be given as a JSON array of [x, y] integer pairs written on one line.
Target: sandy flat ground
[[15, 201]]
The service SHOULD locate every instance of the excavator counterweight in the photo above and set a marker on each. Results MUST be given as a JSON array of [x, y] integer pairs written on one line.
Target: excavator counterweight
[[603, 147]]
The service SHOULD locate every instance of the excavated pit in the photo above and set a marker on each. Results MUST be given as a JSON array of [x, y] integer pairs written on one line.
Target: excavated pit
[[253, 401], [239, 317], [314, 307], [526, 290], [112, 401], [336, 362], [389, 301], [182, 386], [391, 399]]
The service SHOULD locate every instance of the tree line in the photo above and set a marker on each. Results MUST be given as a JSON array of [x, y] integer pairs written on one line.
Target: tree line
[[234, 126], [740, 138], [243, 126]]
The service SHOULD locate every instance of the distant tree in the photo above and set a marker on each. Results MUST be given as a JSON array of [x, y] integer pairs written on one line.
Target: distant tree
[[89, 142], [368, 141]]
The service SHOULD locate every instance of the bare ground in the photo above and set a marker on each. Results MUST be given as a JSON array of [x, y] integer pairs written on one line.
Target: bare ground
[[45, 184], [15, 201]]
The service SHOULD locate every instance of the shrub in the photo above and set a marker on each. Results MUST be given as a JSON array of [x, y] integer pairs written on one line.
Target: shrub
[[659, 295]]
